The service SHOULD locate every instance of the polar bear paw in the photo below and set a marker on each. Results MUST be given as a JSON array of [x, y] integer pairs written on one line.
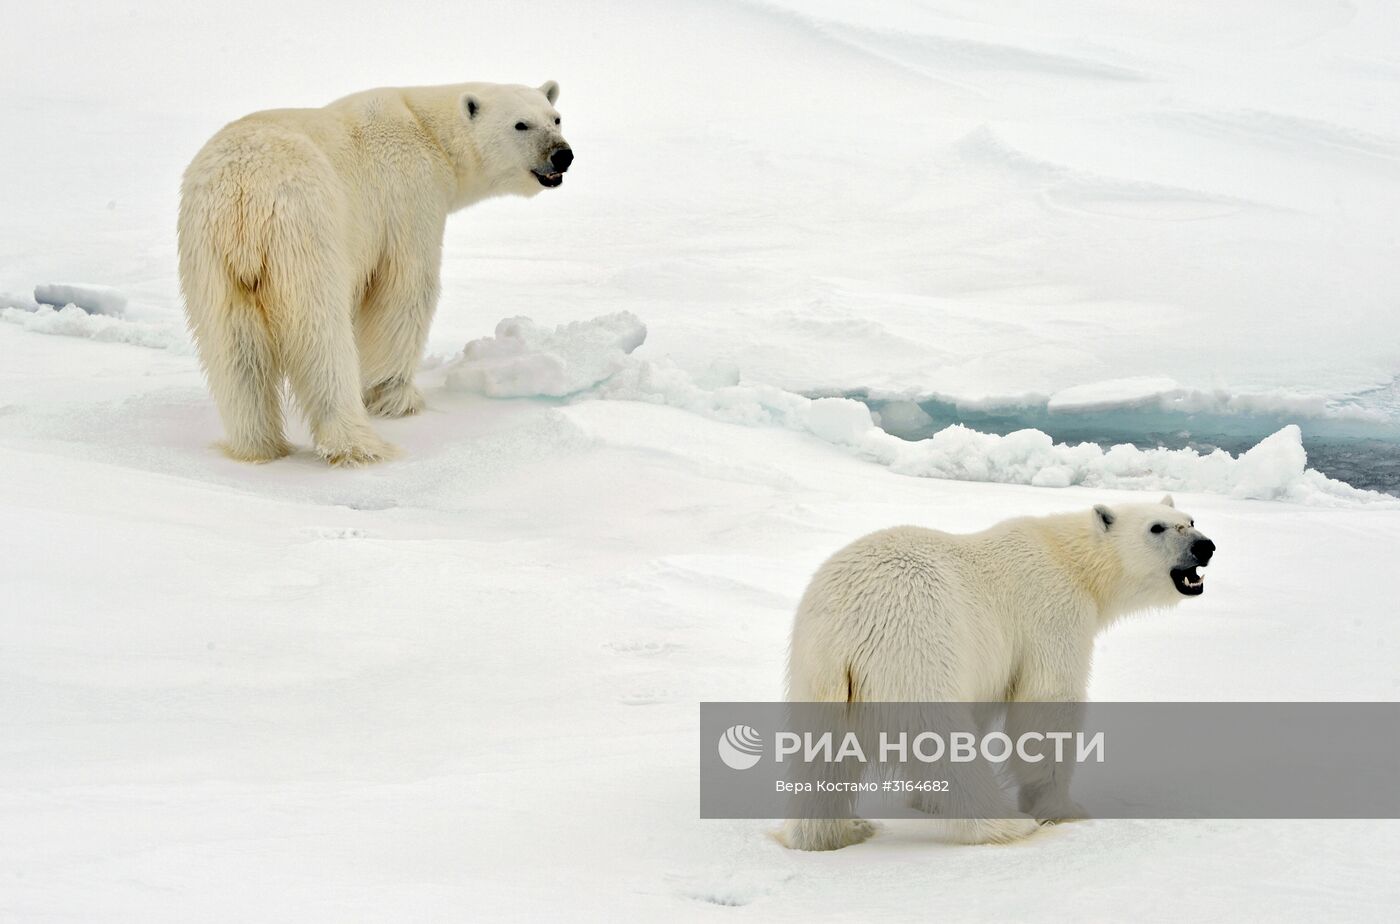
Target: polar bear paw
[[394, 398], [825, 834], [993, 830], [352, 452], [257, 453], [1059, 813]]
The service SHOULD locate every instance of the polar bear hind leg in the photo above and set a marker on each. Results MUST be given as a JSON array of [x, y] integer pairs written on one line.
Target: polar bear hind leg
[[237, 351], [312, 316], [308, 291]]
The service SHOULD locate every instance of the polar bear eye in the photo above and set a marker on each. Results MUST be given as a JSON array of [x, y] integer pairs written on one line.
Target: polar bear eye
[[521, 126], [1159, 527], [556, 120]]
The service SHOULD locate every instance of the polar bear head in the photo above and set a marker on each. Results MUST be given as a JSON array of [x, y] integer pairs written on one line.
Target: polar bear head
[[1159, 550], [515, 131]]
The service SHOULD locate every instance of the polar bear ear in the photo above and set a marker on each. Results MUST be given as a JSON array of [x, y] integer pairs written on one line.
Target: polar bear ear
[[1168, 502], [550, 89], [1104, 516], [470, 106]]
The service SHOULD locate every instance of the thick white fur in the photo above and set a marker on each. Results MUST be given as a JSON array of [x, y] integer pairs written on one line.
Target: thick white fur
[[310, 241], [1009, 614]]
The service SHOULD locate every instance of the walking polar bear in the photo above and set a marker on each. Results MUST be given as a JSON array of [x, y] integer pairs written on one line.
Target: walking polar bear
[[1005, 615], [310, 243]]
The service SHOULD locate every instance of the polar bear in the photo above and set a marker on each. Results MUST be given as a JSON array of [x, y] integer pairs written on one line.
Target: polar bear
[[310, 241], [1005, 615]]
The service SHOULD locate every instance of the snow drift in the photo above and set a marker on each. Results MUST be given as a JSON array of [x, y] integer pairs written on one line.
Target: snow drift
[[72, 321], [91, 298], [593, 360], [523, 360]]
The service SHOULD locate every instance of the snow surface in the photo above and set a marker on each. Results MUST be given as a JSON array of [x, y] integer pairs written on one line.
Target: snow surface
[[463, 686]]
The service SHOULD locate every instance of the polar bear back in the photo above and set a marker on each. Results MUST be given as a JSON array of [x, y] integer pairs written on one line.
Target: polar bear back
[[915, 614], [353, 174]]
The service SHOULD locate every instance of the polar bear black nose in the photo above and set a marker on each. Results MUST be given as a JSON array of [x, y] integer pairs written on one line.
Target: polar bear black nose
[[561, 159], [1203, 549]]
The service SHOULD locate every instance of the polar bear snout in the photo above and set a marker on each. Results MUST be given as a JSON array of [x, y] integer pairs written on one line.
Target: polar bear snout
[[558, 161], [1186, 577]]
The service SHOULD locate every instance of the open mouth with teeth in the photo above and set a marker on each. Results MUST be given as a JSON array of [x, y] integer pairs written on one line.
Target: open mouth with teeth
[[548, 180], [1189, 581]]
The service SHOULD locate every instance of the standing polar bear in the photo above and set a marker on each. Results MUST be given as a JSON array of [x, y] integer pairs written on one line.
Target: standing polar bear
[[911, 615], [310, 243]]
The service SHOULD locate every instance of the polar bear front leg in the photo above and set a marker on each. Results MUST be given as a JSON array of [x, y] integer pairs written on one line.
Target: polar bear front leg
[[824, 833], [1044, 784], [391, 328], [965, 797], [1048, 699]]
